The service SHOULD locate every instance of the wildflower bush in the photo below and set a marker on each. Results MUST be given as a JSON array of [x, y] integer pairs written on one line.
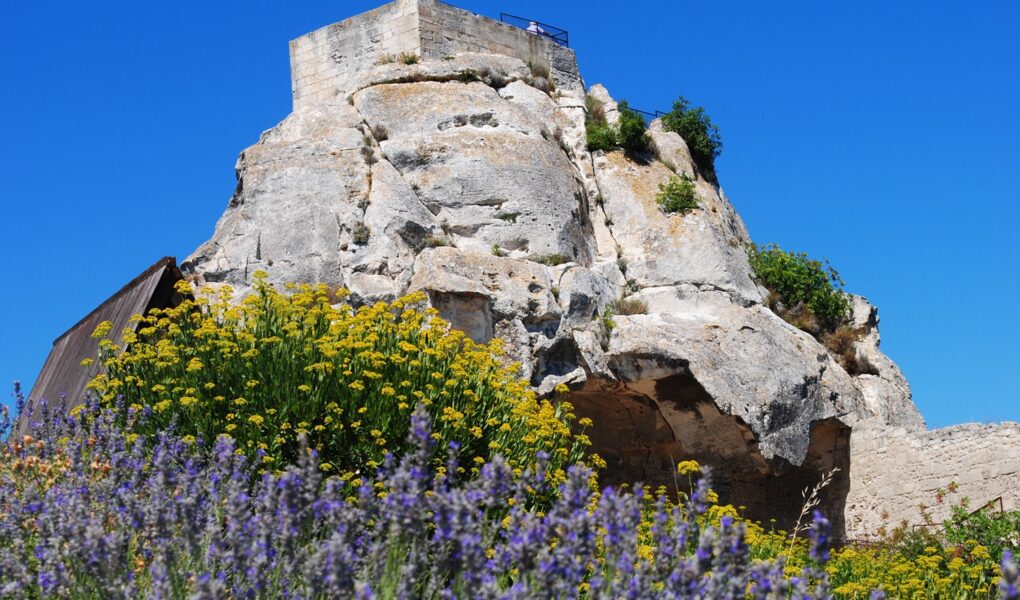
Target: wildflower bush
[[696, 128], [86, 513], [677, 195], [806, 292], [998, 531], [125, 521], [280, 366]]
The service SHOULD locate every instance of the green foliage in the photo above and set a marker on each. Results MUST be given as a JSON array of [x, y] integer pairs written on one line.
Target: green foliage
[[696, 128], [632, 131], [677, 195], [408, 58], [998, 531], [629, 134], [601, 136], [805, 290], [607, 318], [280, 366]]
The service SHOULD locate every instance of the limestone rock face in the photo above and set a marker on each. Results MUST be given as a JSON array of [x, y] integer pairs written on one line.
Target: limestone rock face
[[886, 392], [486, 168], [466, 177]]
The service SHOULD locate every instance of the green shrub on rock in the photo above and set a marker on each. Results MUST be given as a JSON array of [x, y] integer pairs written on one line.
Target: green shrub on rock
[[632, 131], [677, 195], [696, 128], [601, 136], [806, 292]]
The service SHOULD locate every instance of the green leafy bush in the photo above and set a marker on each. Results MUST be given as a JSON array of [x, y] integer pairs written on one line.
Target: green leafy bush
[[677, 195], [997, 531], [806, 292], [601, 136], [279, 366], [696, 128], [632, 131]]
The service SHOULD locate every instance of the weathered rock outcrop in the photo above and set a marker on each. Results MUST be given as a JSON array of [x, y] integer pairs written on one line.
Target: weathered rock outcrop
[[464, 176]]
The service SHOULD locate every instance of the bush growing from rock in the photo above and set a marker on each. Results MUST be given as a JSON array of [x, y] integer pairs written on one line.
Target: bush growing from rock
[[696, 128], [601, 136], [804, 290], [677, 195], [279, 366], [632, 131]]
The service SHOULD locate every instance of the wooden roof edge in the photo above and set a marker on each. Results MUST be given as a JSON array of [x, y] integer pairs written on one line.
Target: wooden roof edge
[[165, 262]]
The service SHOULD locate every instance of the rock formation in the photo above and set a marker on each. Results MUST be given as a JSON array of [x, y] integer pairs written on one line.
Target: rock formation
[[466, 175]]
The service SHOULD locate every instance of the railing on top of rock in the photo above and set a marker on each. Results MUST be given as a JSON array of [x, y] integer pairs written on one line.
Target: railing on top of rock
[[649, 115], [560, 36]]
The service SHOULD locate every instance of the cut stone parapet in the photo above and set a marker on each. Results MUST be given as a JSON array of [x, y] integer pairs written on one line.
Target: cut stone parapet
[[334, 61]]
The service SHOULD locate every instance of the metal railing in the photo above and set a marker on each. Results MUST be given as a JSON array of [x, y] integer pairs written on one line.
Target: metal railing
[[560, 36], [644, 113]]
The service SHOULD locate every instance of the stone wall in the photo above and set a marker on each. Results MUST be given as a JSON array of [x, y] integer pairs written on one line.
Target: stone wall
[[893, 471], [333, 61], [447, 30], [325, 63]]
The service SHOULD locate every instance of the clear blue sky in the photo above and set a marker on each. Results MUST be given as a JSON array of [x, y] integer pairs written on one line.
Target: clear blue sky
[[881, 135]]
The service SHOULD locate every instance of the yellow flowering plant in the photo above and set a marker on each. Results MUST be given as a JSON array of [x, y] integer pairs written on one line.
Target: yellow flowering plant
[[278, 366]]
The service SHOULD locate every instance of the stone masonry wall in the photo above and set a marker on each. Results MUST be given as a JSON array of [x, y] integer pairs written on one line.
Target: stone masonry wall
[[447, 30], [325, 63], [330, 62], [893, 471]]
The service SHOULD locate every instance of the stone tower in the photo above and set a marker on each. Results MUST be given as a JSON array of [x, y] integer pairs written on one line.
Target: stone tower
[[334, 61]]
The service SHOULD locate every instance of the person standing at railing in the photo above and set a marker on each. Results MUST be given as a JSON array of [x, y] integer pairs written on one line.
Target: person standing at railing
[[535, 29]]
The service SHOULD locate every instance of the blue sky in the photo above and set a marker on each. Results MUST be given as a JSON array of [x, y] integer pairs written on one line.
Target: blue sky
[[880, 135]]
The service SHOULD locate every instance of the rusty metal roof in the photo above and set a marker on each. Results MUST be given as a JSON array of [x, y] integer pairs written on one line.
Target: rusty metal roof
[[62, 379]]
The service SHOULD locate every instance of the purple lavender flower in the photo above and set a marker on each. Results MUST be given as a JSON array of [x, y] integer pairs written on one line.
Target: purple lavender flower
[[1009, 585]]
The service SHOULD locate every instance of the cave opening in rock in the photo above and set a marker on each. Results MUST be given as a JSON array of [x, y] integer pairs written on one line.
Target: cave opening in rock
[[644, 428]]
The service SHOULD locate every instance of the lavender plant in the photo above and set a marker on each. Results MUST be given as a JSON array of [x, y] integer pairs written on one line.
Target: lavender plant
[[84, 513]]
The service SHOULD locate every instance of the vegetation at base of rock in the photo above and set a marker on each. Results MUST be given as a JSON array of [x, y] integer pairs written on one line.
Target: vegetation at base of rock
[[91, 512], [630, 133], [806, 292], [280, 366], [998, 530], [696, 128], [677, 195]]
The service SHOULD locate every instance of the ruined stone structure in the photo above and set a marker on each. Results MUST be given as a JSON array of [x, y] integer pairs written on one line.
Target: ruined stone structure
[[466, 174]]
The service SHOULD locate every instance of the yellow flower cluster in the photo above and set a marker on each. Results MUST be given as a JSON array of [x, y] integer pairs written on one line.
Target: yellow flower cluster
[[278, 366], [958, 572]]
